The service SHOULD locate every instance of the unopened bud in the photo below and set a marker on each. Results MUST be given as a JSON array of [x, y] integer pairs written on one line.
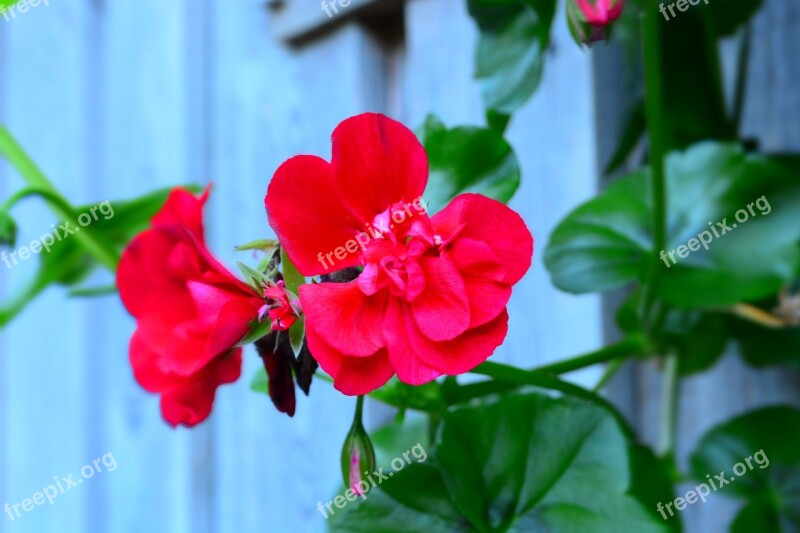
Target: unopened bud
[[591, 20], [358, 456]]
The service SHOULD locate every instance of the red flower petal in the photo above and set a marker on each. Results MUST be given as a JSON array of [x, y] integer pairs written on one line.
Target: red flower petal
[[480, 270], [442, 310], [183, 208], [310, 216], [468, 350], [351, 375], [190, 403], [378, 161], [402, 339], [483, 219], [350, 321]]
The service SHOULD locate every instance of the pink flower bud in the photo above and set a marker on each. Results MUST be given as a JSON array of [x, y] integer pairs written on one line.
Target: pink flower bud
[[358, 456], [590, 20]]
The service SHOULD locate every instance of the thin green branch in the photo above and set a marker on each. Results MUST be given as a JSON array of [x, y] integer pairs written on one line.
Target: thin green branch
[[103, 252], [610, 371], [654, 111]]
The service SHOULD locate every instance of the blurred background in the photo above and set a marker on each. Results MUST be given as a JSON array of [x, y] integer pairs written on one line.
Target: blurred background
[[114, 98]]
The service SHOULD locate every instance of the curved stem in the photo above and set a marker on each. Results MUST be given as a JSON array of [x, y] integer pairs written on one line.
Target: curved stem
[[103, 252], [49, 195], [507, 377], [611, 369]]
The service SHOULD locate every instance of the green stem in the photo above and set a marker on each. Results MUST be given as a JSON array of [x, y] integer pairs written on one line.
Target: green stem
[[611, 369], [48, 195], [508, 377], [104, 253], [654, 110], [669, 406], [359, 410]]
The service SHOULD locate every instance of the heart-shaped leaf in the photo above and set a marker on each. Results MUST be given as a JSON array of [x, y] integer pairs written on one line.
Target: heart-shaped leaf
[[744, 208]]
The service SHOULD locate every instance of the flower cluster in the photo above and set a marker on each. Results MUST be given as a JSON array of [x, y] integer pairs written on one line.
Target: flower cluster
[[425, 297]]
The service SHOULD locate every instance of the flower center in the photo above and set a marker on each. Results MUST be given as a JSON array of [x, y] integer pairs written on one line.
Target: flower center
[[398, 238]]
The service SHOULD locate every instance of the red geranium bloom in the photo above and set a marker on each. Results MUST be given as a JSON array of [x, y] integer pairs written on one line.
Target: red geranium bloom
[[190, 311], [432, 294]]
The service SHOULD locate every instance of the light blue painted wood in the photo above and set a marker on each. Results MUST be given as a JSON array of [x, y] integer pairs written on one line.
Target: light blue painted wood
[[271, 103], [116, 98], [45, 377], [557, 159], [149, 140]]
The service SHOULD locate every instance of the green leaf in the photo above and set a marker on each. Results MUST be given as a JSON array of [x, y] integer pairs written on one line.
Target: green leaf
[[467, 159], [730, 15], [256, 279], [293, 279], [510, 57], [524, 463], [632, 134], [296, 335], [394, 438], [258, 329], [291, 276], [652, 482], [607, 242], [427, 397], [688, 63], [769, 440], [265, 245], [698, 338], [762, 346]]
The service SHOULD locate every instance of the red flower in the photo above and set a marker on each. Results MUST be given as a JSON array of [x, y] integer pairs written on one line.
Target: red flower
[[282, 307], [190, 311], [432, 294]]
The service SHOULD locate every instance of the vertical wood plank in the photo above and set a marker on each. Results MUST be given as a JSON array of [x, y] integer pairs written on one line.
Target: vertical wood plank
[[271, 102], [151, 137], [46, 352], [557, 159]]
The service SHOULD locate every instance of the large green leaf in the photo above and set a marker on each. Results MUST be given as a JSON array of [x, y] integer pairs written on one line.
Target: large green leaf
[[514, 35], [759, 456], [607, 242], [523, 463], [467, 159]]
